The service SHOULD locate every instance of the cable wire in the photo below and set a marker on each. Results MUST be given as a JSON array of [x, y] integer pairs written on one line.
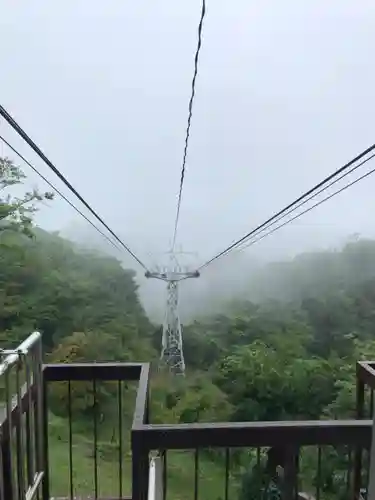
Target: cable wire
[[314, 195], [196, 60], [291, 205], [41, 155], [52, 186], [310, 208]]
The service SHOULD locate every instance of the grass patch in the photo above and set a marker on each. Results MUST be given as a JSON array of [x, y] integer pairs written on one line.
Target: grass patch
[[180, 468]]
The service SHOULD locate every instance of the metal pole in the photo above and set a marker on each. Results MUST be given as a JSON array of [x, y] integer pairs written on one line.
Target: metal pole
[[18, 416], [371, 485]]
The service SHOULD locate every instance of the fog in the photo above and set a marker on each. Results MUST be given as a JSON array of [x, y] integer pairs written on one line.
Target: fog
[[284, 96]]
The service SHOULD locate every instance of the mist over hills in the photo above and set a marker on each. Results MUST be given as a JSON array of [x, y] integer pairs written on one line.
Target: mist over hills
[[239, 276], [218, 283]]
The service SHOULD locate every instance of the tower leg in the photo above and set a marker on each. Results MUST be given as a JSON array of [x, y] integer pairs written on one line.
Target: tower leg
[[172, 352]]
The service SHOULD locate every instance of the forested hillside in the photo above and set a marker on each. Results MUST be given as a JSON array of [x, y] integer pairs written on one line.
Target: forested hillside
[[289, 356], [50, 285], [276, 349]]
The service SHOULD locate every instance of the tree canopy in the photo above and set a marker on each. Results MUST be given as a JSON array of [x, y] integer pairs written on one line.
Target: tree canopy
[[16, 211]]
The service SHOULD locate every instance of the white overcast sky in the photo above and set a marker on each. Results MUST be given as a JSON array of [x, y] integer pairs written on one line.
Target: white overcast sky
[[285, 95]]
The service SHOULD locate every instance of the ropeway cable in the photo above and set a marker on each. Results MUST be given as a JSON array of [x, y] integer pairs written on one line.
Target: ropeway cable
[[41, 155], [295, 204], [52, 186], [310, 208], [196, 60]]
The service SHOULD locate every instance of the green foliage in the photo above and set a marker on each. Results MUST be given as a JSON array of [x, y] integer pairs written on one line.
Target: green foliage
[[77, 348], [274, 385], [187, 400], [16, 212], [50, 285], [257, 484]]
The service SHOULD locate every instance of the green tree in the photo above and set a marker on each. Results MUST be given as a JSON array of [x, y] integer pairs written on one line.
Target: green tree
[[16, 212], [265, 383], [83, 347]]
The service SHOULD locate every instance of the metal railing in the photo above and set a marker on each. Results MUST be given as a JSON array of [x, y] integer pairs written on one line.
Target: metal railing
[[21, 421], [112, 380], [365, 409], [296, 442], [28, 466], [144, 456]]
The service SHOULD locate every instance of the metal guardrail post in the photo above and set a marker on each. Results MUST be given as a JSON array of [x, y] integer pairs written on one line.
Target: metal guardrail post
[[45, 485], [371, 485], [140, 449], [360, 405], [291, 473], [21, 408], [140, 463], [155, 479], [6, 490]]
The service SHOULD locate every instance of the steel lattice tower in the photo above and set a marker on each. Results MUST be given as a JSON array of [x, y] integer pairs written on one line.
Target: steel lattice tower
[[172, 355]]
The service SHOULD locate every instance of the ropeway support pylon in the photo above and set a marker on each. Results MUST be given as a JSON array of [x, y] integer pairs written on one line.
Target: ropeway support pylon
[[172, 355]]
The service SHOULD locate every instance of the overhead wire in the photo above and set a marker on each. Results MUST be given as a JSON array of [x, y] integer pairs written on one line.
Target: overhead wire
[[314, 195], [52, 186], [41, 155], [183, 168], [285, 210], [311, 208]]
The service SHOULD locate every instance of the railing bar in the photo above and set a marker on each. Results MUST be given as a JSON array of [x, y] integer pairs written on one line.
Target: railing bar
[[70, 442], [371, 412], [290, 472], [6, 449], [165, 474], [95, 440], [9, 427], [367, 468], [349, 470], [43, 431], [120, 451], [196, 473], [29, 448], [227, 465], [360, 414], [2, 492], [87, 371], [297, 477], [41, 414], [140, 416], [259, 492], [139, 472], [29, 425], [19, 430], [309, 433], [319, 472], [11, 356]]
